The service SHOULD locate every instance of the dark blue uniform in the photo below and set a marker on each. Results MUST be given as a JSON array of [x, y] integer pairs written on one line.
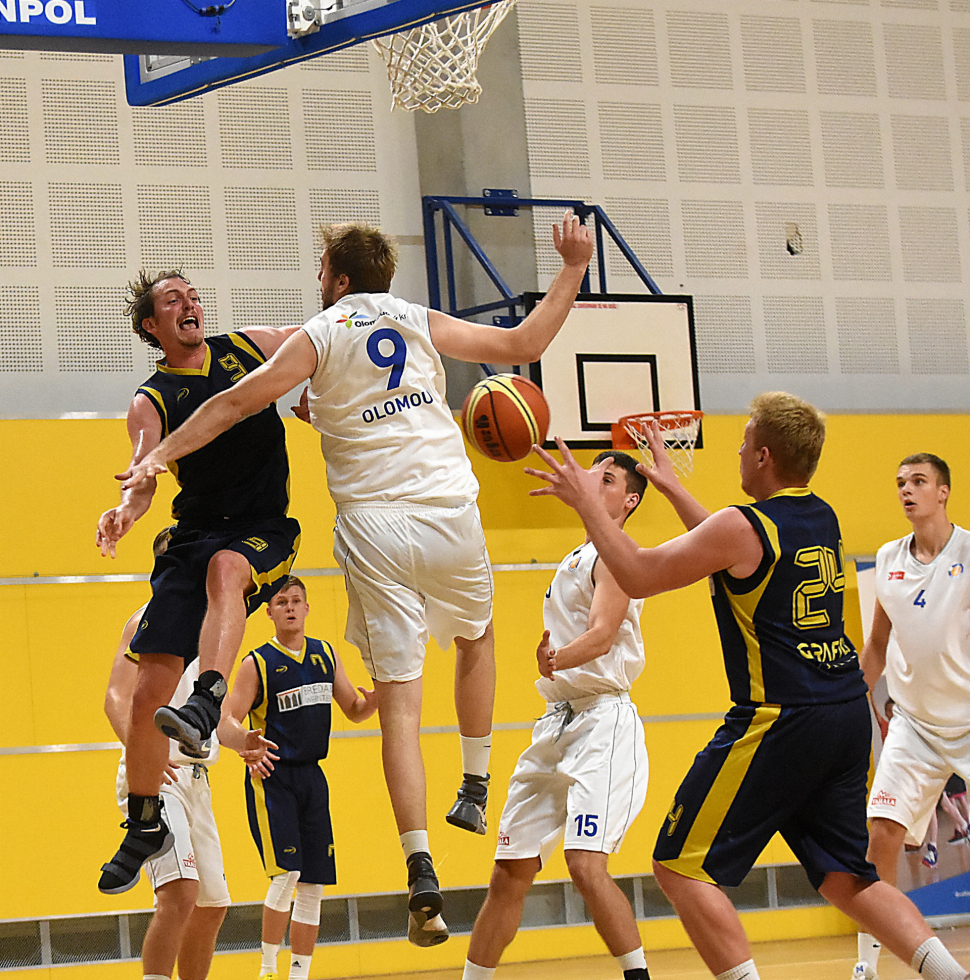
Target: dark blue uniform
[[233, 496], [793, 753], [289, 811]]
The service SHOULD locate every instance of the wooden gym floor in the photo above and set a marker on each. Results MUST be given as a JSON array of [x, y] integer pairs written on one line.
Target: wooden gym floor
[[826, 958]]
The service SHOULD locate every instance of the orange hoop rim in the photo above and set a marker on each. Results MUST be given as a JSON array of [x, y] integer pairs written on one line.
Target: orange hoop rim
[[668, 420]]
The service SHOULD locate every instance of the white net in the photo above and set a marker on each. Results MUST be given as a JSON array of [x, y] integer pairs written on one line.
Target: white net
[[680, 431], [433, 67]]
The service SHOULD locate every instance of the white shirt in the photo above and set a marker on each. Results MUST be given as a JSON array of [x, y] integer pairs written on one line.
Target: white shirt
[[928, 658], [377, 398], [565, 613]]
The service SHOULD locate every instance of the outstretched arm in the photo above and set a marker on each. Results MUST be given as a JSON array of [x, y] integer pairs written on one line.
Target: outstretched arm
[[525, 343], [664, 478], [606, 614], [145, 432], [295, 361], [873, 656], [726, 540], [356, 708], [254, 749], [270, 339]]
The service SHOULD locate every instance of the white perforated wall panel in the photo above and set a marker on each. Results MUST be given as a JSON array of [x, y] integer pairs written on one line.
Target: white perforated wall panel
[[230, 187], [801, 168]]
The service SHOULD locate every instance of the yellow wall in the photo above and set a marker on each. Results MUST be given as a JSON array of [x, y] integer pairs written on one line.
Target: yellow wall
[[58, 639]]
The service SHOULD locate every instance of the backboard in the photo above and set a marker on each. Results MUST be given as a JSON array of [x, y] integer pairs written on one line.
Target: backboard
[[344, 23], [617, 354]]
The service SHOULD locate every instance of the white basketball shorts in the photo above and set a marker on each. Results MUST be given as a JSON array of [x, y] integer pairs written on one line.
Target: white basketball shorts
[[197, 853], [913, 769], [585, 780], [412, 570]]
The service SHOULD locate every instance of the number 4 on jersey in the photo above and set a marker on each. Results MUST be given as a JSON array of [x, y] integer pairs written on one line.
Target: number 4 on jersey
[[919, 600]]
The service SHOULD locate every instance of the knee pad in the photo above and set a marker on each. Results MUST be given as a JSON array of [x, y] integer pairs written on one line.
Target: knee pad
[[280, 892], [306, 905]]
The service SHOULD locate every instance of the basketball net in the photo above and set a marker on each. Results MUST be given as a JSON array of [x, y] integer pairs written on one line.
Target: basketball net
[[433, 67], [679, 430]]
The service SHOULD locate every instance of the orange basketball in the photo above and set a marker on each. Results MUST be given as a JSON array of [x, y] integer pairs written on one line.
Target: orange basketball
[[504, 416]]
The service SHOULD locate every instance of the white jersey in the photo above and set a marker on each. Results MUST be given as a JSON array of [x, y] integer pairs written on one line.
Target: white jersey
[[928, 659], [565, 614], [377, 398], [175, 756]]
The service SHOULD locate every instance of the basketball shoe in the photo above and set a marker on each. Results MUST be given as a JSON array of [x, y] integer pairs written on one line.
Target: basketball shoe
[[931, 856], [861, 971], [959, 838], [469, 809], [193, 723], [424, 897], [431, 933], [144, 839]]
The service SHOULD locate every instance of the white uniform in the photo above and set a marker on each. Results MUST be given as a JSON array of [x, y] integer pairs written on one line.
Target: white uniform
[[408, 535], [928, 677], [197, 853], [585, 773]]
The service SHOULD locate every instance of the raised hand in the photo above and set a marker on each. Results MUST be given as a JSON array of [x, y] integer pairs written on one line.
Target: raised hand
[[574, 242], [573, 485]]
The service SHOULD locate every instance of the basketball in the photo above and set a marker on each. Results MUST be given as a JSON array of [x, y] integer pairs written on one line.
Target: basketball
[[504, 416]]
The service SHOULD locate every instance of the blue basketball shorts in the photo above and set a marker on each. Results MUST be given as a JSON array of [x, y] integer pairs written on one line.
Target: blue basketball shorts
[[173, 618], [289, 818], [799, 771]]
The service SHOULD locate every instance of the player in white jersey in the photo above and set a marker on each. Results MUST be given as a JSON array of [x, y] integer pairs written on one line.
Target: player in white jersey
[[920, 637], [191, 896], [585, 773], [408, 535]]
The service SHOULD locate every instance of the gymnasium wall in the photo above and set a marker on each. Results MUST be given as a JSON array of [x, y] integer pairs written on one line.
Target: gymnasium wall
[[58, 640]]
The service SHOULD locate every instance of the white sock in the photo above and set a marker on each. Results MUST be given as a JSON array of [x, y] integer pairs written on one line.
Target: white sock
[[743, 971], [932, 959], [475, 754], [869, 948], [154, 976], [475, 972], [634, 960], [413, 841], [268, 962], [300, 966]]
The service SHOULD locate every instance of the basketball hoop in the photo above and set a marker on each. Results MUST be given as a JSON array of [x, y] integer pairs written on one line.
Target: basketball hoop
[[433, 66], [680, 431]]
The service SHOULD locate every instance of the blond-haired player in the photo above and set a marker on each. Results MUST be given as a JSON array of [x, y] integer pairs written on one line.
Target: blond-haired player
[[920, 638], [792, 756]]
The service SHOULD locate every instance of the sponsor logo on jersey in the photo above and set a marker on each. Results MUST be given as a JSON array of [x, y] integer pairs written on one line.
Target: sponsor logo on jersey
[[349, 321], [330, 851], [574, 564], [307, 694], [189, 860], [183, 393], [503, 840], [882, 798], [896, 576], [955, 570], [257, 544], [281, 670], [143, 625], [289, 850], [673, 818]]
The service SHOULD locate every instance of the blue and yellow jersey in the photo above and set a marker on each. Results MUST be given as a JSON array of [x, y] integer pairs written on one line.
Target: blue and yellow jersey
[[292, 705], [781, 629], [243, 475]]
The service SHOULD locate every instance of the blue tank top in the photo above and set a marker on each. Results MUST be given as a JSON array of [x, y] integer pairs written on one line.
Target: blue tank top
[[782, 630], [292, 705], [242, 476]]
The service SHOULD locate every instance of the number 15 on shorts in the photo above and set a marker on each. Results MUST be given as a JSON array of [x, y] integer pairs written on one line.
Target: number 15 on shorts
[[586, 825]]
